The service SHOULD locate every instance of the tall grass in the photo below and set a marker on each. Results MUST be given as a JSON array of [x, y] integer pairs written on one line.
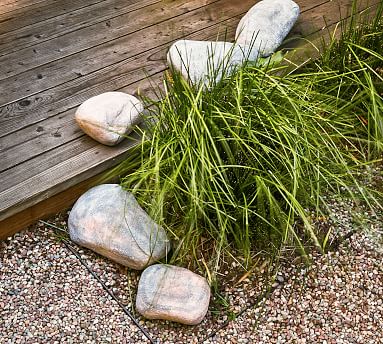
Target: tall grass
[[357, 60], [238, 166]]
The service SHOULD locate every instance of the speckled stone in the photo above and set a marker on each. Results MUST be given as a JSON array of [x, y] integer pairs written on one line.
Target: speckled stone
[[172, 293], [108, 117], [109, 221], [266, 25], [207, 62]]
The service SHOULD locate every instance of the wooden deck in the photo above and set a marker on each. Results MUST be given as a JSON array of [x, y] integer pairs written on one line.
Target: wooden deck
[[55, 54]]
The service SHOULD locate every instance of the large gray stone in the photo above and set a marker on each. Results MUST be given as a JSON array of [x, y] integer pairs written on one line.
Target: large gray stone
[[206, 62], [265, 25], [172, 293], [109, 221], [110, 116]]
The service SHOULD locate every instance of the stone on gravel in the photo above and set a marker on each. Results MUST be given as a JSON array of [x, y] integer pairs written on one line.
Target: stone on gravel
[[172, 293], [109, 221], [108, 117], [265, 25], [207, 62]]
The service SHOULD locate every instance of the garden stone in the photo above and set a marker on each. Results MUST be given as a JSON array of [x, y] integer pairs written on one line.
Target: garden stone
[[110, 116], [265, 25], [206, 62], [109, 221], [172, 293]]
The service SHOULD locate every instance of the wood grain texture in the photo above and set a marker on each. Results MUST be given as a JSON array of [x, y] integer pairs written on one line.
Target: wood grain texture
[[102, 38], [14, 5], [62, 176], [24, 13], [48, 206], [98, 48], [63, 97], [85, 62], [50, 158], [28, 110], [57, 130], [309, 48], [99, 30], [46, 30]]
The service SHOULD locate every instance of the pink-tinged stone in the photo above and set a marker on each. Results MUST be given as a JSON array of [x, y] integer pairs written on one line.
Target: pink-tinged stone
[[109, 117], [109, 221], [172, 293]]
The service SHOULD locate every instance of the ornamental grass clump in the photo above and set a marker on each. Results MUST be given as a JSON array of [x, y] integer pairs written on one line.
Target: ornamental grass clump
[[357, 60], [240, 166]]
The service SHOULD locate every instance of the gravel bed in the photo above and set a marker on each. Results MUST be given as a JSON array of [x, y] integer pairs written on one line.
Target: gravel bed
[[338, 299], [46, 295], [45, 286]]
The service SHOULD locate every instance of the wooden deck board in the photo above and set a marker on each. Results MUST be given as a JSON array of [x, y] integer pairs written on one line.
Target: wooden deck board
[[70, 60], [45, 75], [23, 13], [47, 30], [11, 5], [44, 103]]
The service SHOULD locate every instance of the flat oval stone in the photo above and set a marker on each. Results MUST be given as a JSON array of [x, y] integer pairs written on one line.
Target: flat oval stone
[[172, 293], [266, 25], [108, 117], [207, 62], [109, 221]]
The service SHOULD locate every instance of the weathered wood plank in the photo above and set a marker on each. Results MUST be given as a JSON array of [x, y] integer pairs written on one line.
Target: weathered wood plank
[[325, 15], [13, 16], [49, 159], [9, 5], [65, 71], [32, 167], [102, 12], [28, 110], [309, 48], [47, 207], [64, 97], [101, 37], [63, 129], [61, 176]]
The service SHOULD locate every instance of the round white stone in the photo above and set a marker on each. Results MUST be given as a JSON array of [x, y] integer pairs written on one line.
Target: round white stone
[[110, 116], [265, 25], [207, 62]]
